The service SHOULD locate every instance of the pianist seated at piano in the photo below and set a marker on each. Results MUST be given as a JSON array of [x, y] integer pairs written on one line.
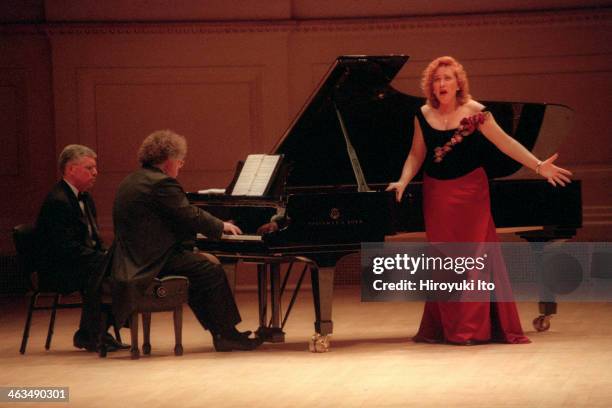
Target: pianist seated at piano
[[448, 137], [155, 228]]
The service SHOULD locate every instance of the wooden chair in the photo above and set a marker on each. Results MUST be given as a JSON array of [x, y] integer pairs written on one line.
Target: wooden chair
[[24, 239]]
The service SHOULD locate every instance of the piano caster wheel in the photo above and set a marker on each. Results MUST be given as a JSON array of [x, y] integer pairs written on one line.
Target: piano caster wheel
[[542, 323], [318, 343], [146, 349]]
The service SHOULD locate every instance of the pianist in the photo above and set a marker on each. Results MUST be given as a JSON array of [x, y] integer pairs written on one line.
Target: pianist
[[153, 221]]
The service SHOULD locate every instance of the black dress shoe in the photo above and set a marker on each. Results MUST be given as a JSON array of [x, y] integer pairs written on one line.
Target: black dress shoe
[[235, 343], [82, 340], [234, 333], [246, 334], [110, 340]]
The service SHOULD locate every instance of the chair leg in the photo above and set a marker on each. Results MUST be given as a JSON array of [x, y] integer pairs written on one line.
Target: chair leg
[[134, 333], [28, 323], [178, 330], [146, 332], [56, 299]]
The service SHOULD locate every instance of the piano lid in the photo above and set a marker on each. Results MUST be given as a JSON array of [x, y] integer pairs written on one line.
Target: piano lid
[[379, 121]]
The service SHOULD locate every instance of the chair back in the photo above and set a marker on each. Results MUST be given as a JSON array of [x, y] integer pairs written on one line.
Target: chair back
[[24, 238]]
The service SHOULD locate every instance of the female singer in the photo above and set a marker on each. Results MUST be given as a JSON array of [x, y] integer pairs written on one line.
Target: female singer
[[447, 141]]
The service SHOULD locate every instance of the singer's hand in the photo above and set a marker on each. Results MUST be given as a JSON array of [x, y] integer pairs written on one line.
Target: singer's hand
[[399, 188], [554, 174]]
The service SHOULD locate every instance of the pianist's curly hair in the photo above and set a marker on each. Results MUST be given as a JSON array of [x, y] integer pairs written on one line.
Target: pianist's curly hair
[[160, 146], [463, 94]]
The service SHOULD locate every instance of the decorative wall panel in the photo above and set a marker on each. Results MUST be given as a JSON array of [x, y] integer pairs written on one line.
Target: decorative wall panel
[[233, 87], [10, 124]]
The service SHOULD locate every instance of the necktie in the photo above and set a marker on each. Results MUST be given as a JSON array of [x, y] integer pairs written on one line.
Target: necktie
[[91, 221]]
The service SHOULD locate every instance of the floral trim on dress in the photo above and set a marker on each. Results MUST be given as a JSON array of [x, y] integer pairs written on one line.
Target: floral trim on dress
[[467, 126]]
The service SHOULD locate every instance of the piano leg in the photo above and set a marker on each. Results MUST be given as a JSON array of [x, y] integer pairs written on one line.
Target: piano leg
[[272, 332], [322, 293], [547, 305], [538, 241], [262, 297], [276, 332]]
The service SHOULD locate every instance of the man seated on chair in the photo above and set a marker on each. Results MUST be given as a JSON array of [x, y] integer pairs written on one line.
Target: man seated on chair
[[72, 255], [155, 229]]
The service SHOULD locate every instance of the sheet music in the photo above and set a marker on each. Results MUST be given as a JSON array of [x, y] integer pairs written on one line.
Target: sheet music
[[255, 175]]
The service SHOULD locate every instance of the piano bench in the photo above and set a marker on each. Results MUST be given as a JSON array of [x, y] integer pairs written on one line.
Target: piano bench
[[162, 295]]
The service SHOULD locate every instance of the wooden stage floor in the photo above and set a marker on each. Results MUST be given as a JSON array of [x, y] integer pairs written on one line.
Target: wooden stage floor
[[372, 362]]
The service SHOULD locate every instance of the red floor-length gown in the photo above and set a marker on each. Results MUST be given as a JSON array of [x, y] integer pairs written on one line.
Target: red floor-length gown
[[458, 210]]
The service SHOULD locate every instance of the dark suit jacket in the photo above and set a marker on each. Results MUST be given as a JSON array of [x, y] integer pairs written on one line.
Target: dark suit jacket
[[65, 253], [152, 218]]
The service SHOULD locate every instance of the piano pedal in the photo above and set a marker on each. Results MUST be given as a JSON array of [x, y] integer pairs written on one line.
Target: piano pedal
[[542, 323], [319, 343]]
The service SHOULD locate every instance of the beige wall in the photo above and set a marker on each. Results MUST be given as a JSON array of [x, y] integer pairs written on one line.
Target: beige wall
[[233, 87]]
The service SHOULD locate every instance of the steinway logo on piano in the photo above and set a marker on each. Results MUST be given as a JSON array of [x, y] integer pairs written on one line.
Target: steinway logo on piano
[[335, 218], [334, 214]]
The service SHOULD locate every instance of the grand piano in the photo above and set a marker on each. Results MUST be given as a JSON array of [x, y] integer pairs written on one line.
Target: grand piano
[[347, 143]]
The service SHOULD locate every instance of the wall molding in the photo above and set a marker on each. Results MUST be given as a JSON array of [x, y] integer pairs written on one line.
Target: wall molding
[[91, 81], [13, 82], [471, 21], [588, 17]]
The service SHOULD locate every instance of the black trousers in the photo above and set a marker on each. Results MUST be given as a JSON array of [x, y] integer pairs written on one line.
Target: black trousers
[[210, 296], [90, 274]]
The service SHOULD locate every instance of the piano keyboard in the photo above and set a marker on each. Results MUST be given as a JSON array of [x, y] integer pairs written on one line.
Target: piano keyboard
[[242, 237], [236, 238]]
